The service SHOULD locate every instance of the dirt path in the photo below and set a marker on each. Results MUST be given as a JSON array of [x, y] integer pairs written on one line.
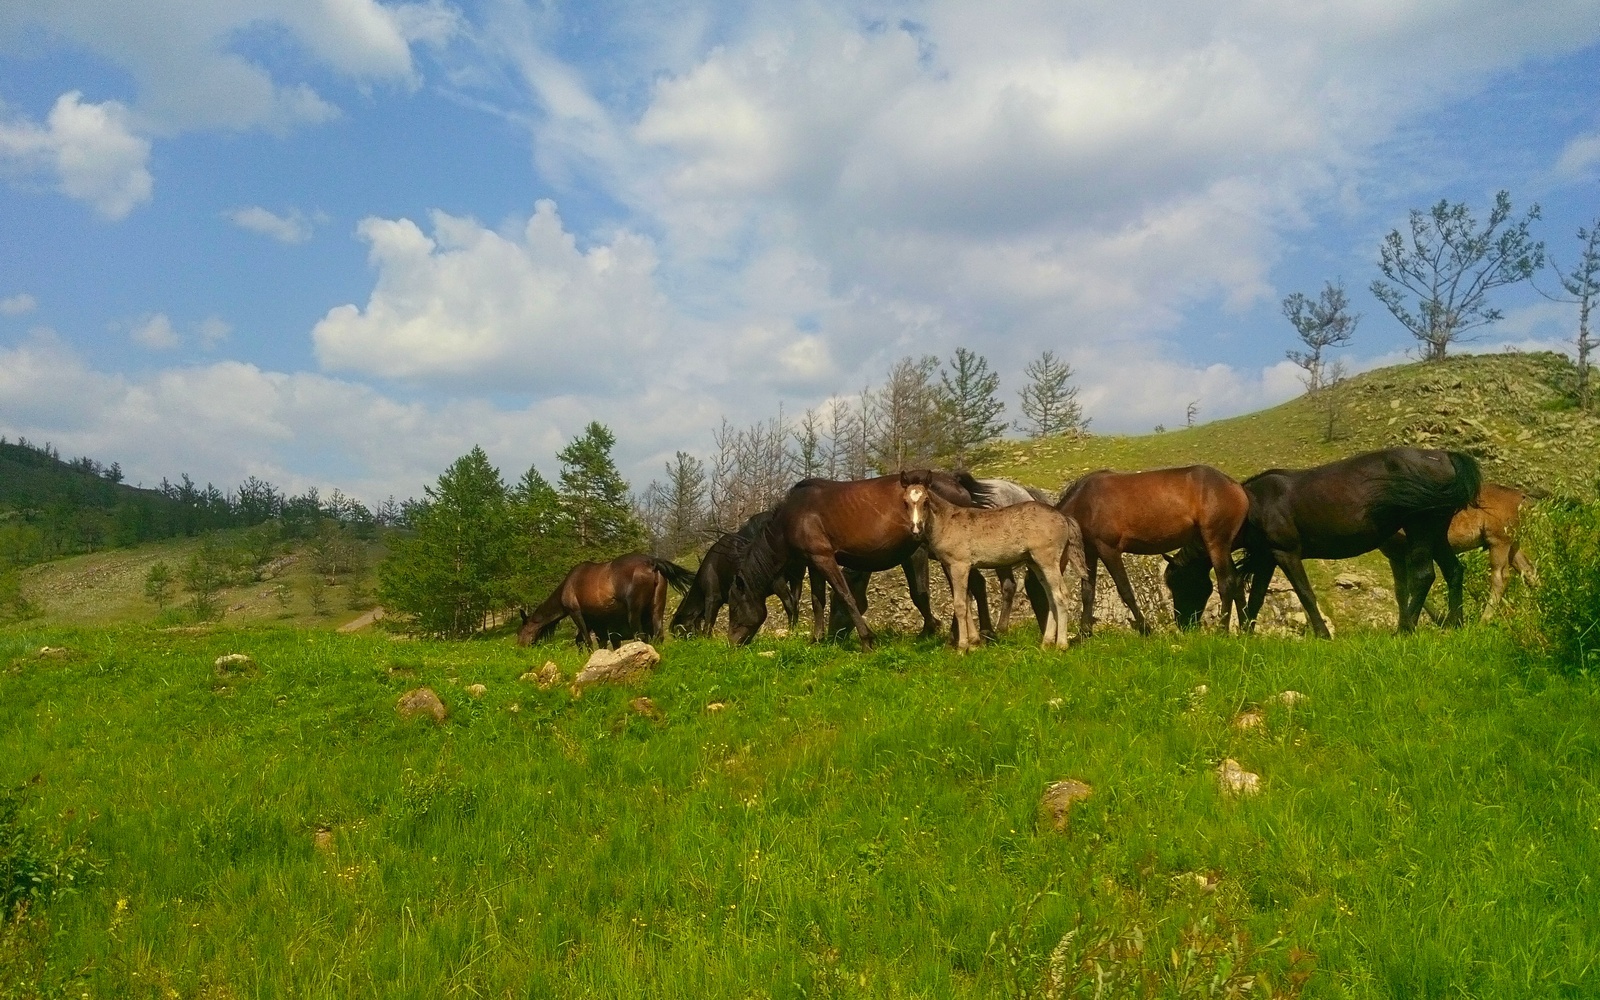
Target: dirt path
[[355, 625]]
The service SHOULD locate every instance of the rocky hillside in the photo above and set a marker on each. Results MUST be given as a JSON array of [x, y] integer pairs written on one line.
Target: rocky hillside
[[1513, 411]]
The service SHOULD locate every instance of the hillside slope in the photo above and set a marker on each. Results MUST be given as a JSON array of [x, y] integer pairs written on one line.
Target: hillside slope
[[1512, 411]]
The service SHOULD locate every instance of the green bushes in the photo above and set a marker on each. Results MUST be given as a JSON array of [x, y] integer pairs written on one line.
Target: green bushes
[[1564, 538], [34, 867]]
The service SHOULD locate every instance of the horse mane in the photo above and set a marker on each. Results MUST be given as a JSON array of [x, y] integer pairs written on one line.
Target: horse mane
[[760, 564], [983, 495], [1264, 473], [1413, 491]]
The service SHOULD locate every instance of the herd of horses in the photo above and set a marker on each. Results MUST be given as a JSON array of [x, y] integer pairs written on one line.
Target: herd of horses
[[1418, 507]]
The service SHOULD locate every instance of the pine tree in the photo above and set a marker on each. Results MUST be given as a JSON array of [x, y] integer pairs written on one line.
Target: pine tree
[[595, 496], [680, 503], [969, 405], [453, 570], [1050, 400]]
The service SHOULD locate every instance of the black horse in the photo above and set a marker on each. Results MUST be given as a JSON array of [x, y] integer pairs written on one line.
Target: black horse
[[1338, 511], [833, 528], [697, 613]]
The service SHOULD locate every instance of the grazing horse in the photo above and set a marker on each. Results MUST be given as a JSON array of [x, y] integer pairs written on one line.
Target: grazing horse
[[1490, 523], [625, 598], [1194, 508], [964, 539], [1007, 493], [1340, 510], [833, 527], [697, 612]]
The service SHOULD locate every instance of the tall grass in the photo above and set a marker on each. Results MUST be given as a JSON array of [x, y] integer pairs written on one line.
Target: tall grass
[[1566, 605], [846, 824]]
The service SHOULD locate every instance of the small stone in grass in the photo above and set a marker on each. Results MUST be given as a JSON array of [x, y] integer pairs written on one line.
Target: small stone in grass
[[1235, 780], [231, 664], [645, 707], [1290, 698], [322, 840], [52, 652], [716, 706], [1059, 798], [477, 690], [421, 702], [1250, 718], [619, 666]]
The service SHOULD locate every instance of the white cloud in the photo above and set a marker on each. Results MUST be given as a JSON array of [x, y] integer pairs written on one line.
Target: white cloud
[[185, 55], [291, 227], [155, 332], [18, 304], [90, 151], [1579, 158], [212, 331], [525, 308]]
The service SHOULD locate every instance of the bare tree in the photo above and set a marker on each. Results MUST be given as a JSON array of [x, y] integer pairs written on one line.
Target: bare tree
[[1332, 404], [1449, 266], [809, 448], [750, 472], [1190, 412], [968, 399], [907, 430], [674, 511], [1582, 288], [1050, 400], [1323, 322]]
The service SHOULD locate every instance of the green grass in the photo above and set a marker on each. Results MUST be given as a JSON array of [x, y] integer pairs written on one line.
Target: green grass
[[849, 825]]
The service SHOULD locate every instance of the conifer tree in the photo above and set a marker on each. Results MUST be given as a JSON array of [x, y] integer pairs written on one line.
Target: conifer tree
[[453, 570], [595, 496], [969, 401], [1050, 400]]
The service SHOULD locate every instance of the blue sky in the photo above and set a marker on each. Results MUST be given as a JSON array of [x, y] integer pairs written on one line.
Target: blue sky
[[338, 242]]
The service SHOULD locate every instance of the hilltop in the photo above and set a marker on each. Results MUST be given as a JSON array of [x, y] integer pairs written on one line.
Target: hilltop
[[1514, 412]]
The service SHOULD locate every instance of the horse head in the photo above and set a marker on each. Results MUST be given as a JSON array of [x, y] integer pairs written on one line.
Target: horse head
[[1188, 579]]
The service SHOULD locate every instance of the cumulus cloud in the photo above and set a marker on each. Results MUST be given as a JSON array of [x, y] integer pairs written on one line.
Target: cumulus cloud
[[291, 227], [88, 149], [155, 332], [212, 331], [18, 304], [188, 61], [525, 307]]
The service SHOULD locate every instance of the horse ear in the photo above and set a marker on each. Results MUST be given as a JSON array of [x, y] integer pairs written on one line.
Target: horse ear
[[905, 480]]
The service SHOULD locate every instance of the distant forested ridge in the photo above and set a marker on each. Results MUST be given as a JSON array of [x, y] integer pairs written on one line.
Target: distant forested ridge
[[50, 507]]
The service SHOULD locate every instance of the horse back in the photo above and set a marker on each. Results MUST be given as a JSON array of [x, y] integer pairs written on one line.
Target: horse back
[[1157, 510]]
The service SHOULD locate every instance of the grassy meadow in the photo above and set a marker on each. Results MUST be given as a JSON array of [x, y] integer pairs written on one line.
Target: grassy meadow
[[799, 821]]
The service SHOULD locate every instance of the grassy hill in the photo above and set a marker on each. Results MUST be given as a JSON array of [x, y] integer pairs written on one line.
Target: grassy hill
[[1512, 411]]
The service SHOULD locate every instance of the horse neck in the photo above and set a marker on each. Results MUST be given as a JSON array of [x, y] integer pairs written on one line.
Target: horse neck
[[938, 512]]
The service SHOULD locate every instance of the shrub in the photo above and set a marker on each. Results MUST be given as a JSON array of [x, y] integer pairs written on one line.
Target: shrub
[[35, 867], [1563, 538]]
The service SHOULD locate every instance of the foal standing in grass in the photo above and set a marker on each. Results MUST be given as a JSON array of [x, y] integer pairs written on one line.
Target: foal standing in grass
[[964, 539]]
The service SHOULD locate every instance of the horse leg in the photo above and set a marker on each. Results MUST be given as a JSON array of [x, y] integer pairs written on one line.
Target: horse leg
[[916, 570], [790, 603], [1006, 577], [791, 607], [1054, 632], [1039, 600], [841, 593], [659, 609], [1529, 575], [584, 641], [1119, 573], [1261, 571], [979, 589], [1419, 566], [1229, 585], [1454, 575], [819, 604], [1091, 558], [1295, 570], [959, 580], [1499, 572], [1396, 553]]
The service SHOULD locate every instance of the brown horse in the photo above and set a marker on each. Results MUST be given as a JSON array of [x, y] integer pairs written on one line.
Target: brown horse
[[832, 527], [1340, 510], [1490, 523], [608, 602], [697, 612], [1152, 513]]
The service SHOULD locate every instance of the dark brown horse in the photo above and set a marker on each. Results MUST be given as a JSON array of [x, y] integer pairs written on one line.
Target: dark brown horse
[[697, 613], [1152, 513], [832, 527], [1490, 524], [1340, 510], [609, 602]]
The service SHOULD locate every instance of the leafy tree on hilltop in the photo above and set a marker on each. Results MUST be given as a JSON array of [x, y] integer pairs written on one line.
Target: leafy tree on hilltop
[[595, 496], [1322, 322], [1582, 288], [1449, 266], [453, 570]]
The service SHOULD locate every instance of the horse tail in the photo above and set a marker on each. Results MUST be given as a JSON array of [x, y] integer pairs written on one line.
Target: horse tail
[[1413, 491], [680, 578], [1072, 557], [982, 491]]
